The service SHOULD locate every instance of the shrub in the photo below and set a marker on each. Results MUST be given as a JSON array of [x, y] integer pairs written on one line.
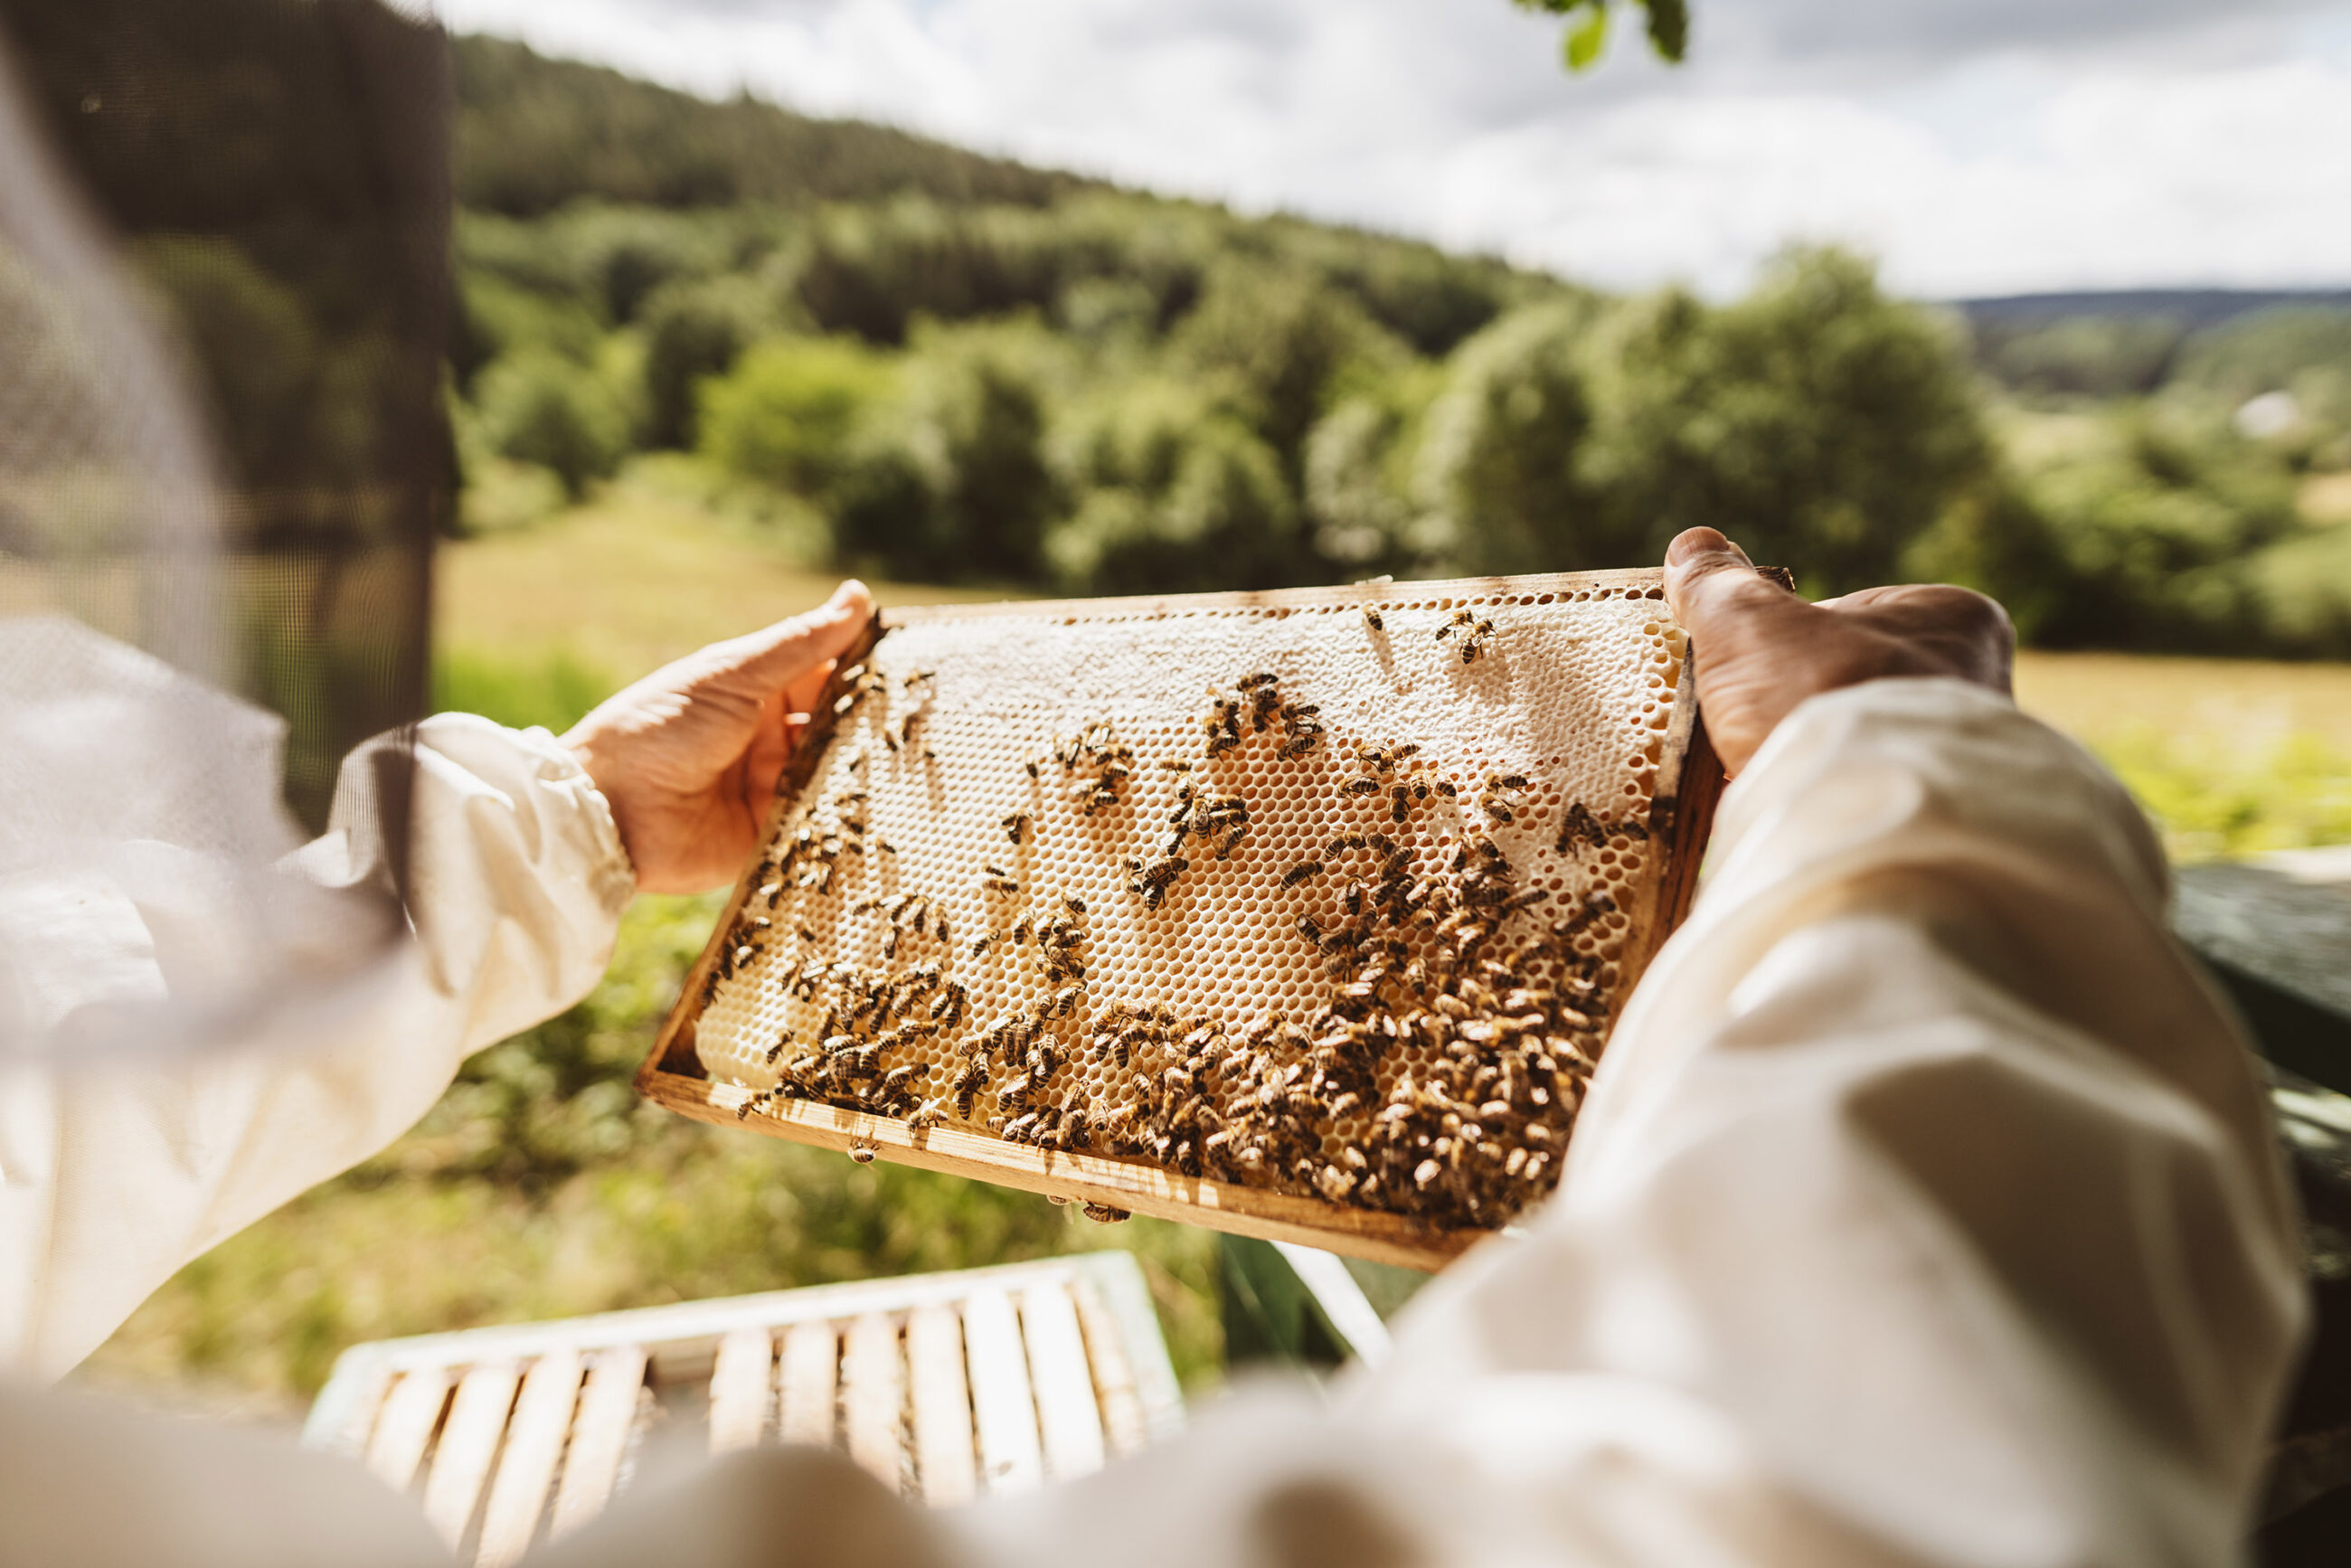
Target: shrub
[[694, 330], [538, 407], [1223, 519], [788, 411]]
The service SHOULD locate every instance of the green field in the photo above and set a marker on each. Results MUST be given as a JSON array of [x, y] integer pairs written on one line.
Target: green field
[[539, 1187]]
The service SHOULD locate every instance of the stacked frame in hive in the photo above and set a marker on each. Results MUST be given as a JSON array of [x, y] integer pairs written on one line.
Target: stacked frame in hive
[[1304, 914]]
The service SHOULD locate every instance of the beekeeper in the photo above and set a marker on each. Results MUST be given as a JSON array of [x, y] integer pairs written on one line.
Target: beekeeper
[[1923, 1211]]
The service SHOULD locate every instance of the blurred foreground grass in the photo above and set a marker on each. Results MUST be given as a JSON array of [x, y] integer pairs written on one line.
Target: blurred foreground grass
[[540, 1188]]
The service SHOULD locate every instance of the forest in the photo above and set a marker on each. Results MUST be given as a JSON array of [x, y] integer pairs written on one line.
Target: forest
[[909, 360]]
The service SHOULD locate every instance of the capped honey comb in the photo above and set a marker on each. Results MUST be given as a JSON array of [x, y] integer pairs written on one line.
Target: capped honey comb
[[1305, 914]]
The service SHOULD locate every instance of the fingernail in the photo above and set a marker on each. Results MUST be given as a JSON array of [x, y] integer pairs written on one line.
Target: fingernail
[[849, 588], [1690, 542]]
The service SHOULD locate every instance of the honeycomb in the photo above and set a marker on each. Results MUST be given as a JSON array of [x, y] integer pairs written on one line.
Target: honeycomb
[[1330, 899]]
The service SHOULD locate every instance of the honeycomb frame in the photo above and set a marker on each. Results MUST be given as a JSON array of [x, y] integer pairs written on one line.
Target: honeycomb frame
[[1521, 631]]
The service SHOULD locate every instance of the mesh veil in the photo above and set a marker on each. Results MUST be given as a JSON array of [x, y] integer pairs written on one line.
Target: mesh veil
[[223, 462]]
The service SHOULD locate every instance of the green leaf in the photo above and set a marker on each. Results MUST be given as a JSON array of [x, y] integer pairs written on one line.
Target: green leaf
[[1585, 38], [1668, 29]]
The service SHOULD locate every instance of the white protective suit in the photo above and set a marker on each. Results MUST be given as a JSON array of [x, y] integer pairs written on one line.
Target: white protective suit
[[1925, 1211]]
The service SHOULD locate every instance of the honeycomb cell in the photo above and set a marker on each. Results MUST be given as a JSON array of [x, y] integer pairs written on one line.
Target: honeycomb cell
[[1045, 878]]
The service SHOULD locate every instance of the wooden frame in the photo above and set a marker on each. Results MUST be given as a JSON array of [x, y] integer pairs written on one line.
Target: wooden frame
[[1689, 780], [947, 1386]]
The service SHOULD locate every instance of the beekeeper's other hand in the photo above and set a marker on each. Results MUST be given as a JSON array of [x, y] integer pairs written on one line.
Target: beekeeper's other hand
[[688, 756], [1761, 650]]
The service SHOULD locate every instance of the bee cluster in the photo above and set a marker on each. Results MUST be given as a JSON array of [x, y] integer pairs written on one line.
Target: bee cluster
[[1454, 988]]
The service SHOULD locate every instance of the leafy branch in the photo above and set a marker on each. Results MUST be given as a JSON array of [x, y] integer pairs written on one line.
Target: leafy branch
[[1668, 27]]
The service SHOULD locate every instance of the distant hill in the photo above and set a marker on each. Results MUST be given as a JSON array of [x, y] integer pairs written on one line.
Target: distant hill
[[2190, 308], [533, 134]]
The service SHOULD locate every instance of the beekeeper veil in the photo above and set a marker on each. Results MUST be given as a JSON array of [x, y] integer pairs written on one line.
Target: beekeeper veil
[[223, 461]]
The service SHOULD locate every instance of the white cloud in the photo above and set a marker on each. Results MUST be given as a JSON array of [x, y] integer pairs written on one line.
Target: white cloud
[[1995, 146]]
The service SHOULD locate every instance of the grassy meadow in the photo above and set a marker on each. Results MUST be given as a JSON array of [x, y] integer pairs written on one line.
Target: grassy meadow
[[539, 1187]]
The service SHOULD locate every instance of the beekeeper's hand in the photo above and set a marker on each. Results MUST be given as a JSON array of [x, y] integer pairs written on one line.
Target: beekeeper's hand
[[1761, 650], [689, 756]]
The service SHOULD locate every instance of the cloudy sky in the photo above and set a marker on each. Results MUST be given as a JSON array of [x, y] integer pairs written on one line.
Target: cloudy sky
[[1974, 146]]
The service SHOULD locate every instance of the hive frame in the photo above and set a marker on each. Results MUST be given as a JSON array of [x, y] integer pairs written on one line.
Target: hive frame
[[1688, 779]]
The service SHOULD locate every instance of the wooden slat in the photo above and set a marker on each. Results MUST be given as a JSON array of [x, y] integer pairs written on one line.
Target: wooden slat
[[874, 1396], [742, 1387], [542, 1419], [362, 1401], [944, 1460], [1080, 1177], [811, 1370], [1124, 1427], [1001, 1406], [469, 1442], [599, 1436], [410, 1414], [1063, 1383]]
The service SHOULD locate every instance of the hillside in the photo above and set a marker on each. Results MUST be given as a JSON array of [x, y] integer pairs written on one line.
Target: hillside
[[533, 134]]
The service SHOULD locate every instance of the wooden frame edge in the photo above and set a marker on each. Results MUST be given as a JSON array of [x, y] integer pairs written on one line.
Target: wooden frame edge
[[1082, 1178], [672, 1050]]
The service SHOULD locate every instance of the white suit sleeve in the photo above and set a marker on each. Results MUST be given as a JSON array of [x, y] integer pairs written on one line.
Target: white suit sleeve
[[1925, 1211], [113, 1176]]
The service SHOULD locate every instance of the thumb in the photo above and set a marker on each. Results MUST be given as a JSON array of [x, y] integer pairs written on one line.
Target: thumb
[[1705, 571], [768, 660]]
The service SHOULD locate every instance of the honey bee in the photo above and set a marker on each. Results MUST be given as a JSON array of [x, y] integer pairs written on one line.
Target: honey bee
[[1344, 843], [1300, 872], [1073, 903], [1104, 1214], [1372, 619], [1153, 880], [1361, 787], [1580, 825], [1475, 643], [863, 1153], [1461, 618], [1015, 826]]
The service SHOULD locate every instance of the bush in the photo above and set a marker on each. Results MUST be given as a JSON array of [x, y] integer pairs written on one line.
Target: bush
[[787, 413], [694, 330], [1221, 518], [952, 480], [2155, 525], [537, 406]]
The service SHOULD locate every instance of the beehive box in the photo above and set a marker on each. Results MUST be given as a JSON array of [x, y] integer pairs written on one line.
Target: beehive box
[[1304, 914]]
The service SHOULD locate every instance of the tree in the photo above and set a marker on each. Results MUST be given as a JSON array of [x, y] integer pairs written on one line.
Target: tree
[[1821, 423], [788, 411], [693, 330], [538, 407], [1498, 465], [1281, 337]]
